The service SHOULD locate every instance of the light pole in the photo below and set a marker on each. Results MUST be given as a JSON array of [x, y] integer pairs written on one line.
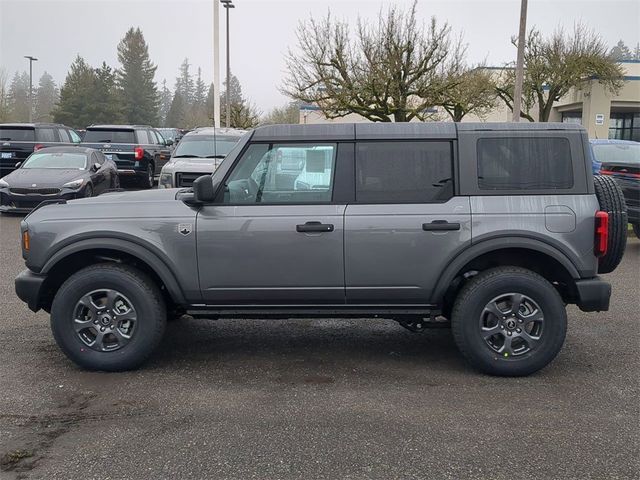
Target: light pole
[[228, 5], [517, 91], [31, 60], [216, 64]]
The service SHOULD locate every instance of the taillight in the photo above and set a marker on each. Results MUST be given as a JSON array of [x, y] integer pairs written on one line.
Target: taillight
[[620, 173], [37, 147], [602, 233], [138, 153]]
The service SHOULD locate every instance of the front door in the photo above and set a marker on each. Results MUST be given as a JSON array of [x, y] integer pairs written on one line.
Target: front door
[[406, 224], [276, 238]]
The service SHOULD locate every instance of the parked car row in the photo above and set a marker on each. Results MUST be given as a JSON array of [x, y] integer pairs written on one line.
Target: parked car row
[[42, 162]]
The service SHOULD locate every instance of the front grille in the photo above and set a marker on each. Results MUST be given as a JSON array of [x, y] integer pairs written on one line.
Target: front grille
[[35, 191], [186, 179]]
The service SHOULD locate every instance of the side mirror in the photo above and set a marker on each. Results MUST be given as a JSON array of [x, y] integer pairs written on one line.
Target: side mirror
[[168, 142], [203, 191], [95, 167], [18, 164]]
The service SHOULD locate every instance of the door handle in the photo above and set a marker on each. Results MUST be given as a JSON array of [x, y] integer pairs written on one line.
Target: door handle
[[439, 226], [314, 227]]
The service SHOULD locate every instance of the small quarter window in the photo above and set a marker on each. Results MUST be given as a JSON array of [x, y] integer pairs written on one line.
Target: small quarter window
[[524, 163], [404, 172]]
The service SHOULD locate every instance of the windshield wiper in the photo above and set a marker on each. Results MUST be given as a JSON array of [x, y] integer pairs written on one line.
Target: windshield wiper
[[4, 139], [215, 156], [187, 156], [103, 141]]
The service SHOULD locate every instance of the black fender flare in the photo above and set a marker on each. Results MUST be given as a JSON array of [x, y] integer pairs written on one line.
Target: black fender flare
[[143, 253], [489, 245]]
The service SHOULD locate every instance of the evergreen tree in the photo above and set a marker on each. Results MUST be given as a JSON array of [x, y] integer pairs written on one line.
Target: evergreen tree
[[19, 98], [200, 91], [184, 83], [177, 111], [242, 113], [135, 80], [210, 108], [106, 106], [4, 96], [197, 111], [46, 97], [76, 95], [636, 52], [621, 52], [165, 103]]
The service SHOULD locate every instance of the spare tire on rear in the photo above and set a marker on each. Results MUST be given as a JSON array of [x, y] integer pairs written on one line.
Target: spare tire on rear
[[611, 201]]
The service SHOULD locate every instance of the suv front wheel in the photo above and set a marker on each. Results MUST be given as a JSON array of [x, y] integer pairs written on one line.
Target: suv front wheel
[[108, 317], [509, 321]]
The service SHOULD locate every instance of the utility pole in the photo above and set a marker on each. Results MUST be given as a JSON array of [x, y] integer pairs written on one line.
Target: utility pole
[[228, 5], [517, 93], [216, 65], [31, 60]]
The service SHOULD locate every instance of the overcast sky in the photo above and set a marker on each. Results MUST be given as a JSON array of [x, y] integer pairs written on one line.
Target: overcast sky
[[55, 31]]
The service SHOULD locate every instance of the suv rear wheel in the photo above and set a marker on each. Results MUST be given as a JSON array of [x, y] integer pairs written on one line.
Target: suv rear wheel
[[108, 317], [509, 321], [612, 201], [148, 179]]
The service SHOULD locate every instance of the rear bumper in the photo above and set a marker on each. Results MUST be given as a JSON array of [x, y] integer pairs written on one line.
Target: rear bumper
[[593, 295], [29, 288]]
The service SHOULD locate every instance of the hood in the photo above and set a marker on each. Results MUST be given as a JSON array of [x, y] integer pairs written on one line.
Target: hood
[[141, 196], [42, 177], [204, 165]]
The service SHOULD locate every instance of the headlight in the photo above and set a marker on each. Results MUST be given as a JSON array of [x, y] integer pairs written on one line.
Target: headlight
[[74, 184], [3, 183], [166, 180]]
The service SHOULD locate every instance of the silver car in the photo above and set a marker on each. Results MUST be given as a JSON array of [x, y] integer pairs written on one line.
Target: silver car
[[199, 153]]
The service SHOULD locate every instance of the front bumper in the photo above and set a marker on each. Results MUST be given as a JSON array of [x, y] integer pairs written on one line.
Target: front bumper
[[29, 288], [14, 203], [593, 295]]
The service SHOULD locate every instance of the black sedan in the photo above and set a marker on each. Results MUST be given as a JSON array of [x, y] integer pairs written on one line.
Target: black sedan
[[57, 173]]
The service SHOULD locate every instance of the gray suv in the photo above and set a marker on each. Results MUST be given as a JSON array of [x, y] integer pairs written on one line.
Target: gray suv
[[492, 228]]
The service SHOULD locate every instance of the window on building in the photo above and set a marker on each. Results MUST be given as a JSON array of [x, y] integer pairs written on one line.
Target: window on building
[[524, 163], [404, 172], [625, 126], [572, 117]]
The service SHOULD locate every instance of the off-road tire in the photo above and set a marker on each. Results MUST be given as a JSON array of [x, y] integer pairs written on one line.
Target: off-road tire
[[612, 201], [143, 293], [489, 284]]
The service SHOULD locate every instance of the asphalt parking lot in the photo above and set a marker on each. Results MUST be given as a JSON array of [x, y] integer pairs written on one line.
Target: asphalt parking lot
[[319, 399]]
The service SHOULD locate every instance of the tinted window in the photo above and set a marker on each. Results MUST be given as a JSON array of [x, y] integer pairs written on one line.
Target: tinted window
[[109, 136], [404, 172], [64, 137], [46, 135], [143, 137], [56, 160], [17, 134], [524, 163], [259, 176]]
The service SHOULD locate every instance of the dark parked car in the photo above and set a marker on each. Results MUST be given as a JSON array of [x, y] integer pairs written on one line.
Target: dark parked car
[[620, 159], [56, 173], [139, 151], [19, 140]]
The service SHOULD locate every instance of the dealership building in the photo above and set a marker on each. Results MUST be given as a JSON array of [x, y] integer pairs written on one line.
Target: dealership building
[[604, 114]]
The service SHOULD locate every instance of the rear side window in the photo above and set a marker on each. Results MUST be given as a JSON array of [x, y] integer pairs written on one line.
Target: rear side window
[[143, 137], [109, 136], [524, 163], [64, 136], [17, 134], [46, 135], [404, 172]]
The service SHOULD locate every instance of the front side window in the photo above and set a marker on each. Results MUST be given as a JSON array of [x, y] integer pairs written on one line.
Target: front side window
[[265, 175], [404, 172], [513, 163], [75, 138]]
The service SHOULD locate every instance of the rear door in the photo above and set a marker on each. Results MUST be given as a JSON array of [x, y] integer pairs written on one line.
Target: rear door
[[406, 223], [270, 239]]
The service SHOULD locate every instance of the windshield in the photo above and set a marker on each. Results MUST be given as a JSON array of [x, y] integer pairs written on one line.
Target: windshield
[[109, 136], [168, 133], [17, 134], [617, 152], [205, 146], [76, 161]]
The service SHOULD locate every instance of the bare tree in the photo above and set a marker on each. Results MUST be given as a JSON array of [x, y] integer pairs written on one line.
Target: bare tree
[[389, 72], [555, 65], [287, 114]]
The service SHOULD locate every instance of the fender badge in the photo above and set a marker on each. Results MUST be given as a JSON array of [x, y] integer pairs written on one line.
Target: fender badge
[[184, 228]]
